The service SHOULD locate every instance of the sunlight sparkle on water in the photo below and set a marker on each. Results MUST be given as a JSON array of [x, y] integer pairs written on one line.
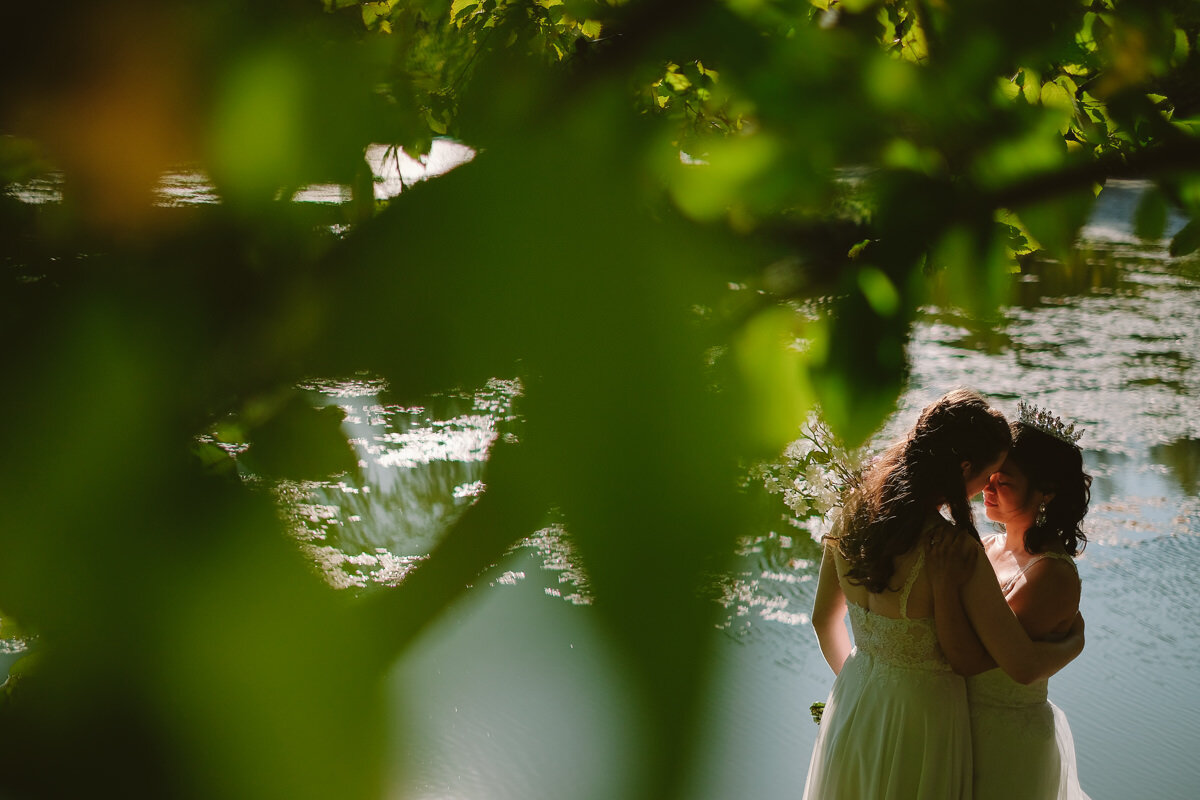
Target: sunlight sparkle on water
[[393, 169], [463, 439]]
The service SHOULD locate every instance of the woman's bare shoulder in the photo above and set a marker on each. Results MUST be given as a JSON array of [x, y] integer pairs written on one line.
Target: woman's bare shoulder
[[1047, 597], [1055, 576]]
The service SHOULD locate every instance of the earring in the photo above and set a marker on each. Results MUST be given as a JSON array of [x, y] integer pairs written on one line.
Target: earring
[[1041, 516]]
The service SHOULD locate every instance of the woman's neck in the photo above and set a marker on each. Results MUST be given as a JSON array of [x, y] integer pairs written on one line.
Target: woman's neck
[[1014, 537]]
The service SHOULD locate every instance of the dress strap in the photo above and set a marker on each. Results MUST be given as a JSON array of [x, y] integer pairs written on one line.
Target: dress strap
[[1008, 584], [1064, 557], [911, 580]]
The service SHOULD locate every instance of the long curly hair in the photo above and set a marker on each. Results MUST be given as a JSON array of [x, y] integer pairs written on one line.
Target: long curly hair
[[886, 512], [1052, 465]]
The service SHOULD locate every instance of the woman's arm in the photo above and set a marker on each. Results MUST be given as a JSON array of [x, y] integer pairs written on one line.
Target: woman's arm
[[829, 613], [998, 628], [951, 561]]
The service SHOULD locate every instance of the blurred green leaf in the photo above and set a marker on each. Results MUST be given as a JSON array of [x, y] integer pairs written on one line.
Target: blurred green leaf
[[1056, 224], [1187, 240], [770, 355], [1150, 220], [300, 442], [257, 132], [879, 290]]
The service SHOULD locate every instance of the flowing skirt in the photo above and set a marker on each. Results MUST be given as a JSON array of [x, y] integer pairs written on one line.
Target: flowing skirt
[[1022, 744], [892, 732]]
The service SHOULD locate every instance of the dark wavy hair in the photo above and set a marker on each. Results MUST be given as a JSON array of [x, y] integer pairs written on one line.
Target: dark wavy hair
[[887, 510], [1052, 465]]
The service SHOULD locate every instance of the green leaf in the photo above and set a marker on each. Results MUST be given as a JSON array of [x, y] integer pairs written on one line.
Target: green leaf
[[1182, 47], [1150, 219], [1031, 85], [300, 442], [461, 9], [879, 290], [976, 268], [1009, 89], [677, 81], [214, 460], [1187, 240], [774, 371], [1056, 223], [1057, 97]]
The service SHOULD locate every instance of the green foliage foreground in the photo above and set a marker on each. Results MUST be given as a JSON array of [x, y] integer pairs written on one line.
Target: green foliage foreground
[[868, 152]]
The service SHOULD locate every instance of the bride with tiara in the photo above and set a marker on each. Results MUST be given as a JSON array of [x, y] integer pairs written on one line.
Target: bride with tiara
[[896, 724], [1021, 743]]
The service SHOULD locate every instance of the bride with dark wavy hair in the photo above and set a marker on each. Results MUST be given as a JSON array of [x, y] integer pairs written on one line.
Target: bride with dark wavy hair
[[1021, 743], [896, 723]]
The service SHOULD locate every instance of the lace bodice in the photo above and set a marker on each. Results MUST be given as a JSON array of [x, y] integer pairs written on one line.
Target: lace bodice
[[901, 641], [910, 643]]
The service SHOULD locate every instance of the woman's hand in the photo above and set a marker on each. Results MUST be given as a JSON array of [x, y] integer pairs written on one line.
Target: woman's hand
[[952, 557], [1074, 635], [951, 561]]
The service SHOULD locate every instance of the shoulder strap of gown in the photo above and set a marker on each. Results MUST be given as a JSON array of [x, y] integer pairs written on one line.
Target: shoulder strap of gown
[[1009, 583], [912, 579], [1063, 557]]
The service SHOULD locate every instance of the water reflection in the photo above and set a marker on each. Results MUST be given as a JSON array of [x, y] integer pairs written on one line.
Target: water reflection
[[1182, 458], [419, 468], [394, 170]]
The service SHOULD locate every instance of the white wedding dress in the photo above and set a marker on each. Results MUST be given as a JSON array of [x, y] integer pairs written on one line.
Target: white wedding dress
[[896, 725], [1021, 742]]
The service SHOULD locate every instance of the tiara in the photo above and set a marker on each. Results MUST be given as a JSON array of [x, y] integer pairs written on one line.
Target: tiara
[[1044, 421]]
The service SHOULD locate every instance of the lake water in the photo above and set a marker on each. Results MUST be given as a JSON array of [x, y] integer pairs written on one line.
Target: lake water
[[513, 696]]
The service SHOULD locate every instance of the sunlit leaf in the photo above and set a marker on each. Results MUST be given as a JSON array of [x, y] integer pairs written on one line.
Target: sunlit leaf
[[1183, 47], [677, 80], [1057, 97], [879, 290]]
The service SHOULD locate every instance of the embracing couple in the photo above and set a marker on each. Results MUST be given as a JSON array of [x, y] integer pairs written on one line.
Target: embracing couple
[[943, 694]]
